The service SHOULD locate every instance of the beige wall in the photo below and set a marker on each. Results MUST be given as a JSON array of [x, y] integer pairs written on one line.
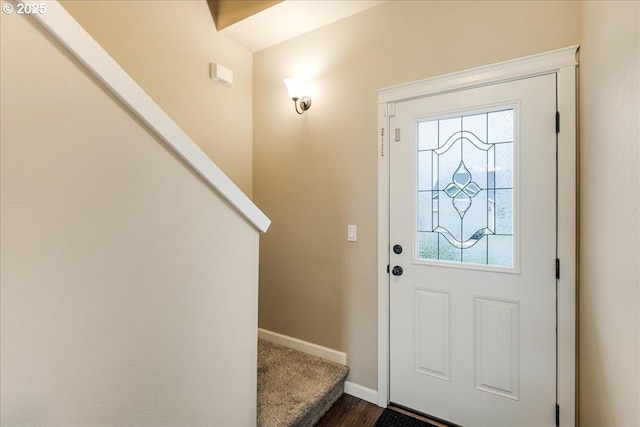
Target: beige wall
[[129, 288], [609, 303], [316, 173], [166, 46]]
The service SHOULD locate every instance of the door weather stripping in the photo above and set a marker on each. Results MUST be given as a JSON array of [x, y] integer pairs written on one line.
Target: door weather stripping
[[557, 121], [557, 269]]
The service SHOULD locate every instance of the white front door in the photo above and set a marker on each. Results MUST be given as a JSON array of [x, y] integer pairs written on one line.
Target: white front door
[[472, 311]]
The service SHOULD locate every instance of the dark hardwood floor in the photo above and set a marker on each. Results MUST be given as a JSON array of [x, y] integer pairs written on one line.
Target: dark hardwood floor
[[350, 411]]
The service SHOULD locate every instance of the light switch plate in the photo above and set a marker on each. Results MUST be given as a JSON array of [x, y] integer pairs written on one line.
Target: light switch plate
[[352, 233]]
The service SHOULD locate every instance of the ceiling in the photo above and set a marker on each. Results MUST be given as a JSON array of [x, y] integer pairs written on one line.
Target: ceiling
[[271, 22]]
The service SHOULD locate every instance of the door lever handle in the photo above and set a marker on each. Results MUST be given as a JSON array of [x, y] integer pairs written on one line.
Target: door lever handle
[[397, 271]]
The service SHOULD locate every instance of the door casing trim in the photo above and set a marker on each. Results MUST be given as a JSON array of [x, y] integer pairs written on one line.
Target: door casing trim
[[563, 63]]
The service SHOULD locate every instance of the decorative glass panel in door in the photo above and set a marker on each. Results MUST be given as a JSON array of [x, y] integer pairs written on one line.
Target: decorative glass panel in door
[[465, 211]]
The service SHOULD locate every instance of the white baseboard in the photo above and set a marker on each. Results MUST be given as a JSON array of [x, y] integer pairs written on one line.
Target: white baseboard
[[364, 393], [304, 346]]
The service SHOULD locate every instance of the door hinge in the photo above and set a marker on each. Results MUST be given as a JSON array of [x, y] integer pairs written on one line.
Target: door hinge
[[391, 109], [557, 415], [381, 142], [557, 269], [388, 269], [557, 121], [397, 134]]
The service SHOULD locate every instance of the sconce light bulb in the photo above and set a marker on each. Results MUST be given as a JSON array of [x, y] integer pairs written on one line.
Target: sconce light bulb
[[296, 93], [294, 87]]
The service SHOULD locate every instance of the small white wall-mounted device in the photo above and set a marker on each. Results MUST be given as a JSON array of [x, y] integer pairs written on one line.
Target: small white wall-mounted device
[[221, 74], [352, 233]]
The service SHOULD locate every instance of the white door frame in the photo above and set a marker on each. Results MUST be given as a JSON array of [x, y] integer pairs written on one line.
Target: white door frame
[[561, 62]]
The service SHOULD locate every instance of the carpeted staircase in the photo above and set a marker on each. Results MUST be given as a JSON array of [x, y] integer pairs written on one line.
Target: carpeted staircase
[[295, 389]]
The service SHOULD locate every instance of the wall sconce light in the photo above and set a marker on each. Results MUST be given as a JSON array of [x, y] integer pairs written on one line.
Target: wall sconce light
[[301, 101]]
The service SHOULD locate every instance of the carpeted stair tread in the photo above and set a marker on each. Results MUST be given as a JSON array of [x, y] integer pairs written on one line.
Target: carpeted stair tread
[[295, 389]]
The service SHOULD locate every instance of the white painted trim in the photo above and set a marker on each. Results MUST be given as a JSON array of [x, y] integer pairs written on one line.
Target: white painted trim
[[68, 32], [361, 392], [304, 346], [567, 245], [383, 254], [563, 63], [528, 66]]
